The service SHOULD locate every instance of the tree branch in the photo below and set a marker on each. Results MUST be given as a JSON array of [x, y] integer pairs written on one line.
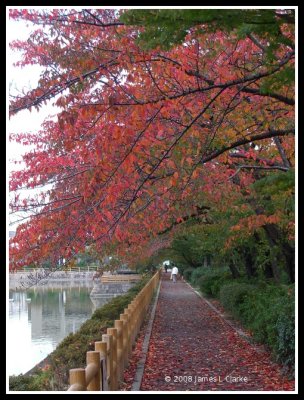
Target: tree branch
[[277, 96], [278, 143], [259, 167], [200, 211], [240, 142], [52, 92], [268, 162]]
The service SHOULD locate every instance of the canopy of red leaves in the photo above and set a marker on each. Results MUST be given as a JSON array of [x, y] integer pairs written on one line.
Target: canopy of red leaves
[[144, 138]]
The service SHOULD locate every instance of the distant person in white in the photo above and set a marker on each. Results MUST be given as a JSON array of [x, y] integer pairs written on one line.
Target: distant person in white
[[174, 274]]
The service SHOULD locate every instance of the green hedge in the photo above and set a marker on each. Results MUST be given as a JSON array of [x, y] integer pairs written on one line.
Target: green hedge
[[38, 382], [285, 343], [232, 295], [71, 351], [198, 273], [210, 284], [268, 311], [187, 273]]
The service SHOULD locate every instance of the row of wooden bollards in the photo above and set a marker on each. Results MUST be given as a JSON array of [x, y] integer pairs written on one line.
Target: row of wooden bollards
[[106, 365]]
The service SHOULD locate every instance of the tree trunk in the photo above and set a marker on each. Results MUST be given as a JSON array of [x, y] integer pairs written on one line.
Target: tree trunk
[[234, 271], [249, 263], [289, 255], [268, 272], [274, 237], [285, 160]]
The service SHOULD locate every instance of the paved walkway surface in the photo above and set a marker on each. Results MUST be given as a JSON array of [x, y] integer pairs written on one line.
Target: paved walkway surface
[[193, 349]]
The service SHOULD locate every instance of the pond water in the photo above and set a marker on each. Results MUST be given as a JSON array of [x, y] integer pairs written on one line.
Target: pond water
[[39, 318]]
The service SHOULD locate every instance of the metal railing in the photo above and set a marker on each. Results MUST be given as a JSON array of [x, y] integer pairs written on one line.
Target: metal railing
[[106, 365]]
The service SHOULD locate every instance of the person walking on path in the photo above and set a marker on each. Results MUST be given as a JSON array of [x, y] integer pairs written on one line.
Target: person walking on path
[[174, 274]]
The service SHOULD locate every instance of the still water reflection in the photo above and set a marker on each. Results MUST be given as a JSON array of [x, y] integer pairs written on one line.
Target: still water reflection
[[39, 319]]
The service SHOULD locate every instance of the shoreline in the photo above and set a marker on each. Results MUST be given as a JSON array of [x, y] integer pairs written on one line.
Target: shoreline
[[38, 366]]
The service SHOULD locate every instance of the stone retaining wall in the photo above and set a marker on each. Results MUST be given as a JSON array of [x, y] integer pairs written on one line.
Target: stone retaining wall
[[23, 279]]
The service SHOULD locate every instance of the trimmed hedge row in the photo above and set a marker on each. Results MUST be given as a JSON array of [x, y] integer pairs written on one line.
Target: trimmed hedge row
[[267, 310], [187, 273]]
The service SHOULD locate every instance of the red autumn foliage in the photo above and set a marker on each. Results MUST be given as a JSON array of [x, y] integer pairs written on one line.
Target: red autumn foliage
[[143, 138]]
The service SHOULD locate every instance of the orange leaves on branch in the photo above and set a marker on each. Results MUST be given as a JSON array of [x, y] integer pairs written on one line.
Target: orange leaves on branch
[[249, 224], [195, 174]]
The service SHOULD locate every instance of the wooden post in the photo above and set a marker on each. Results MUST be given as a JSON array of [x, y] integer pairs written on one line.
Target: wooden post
[[140, 308], [118, 324], [113, 332], [127, 311], [93, 370], [109, 340], [125, 319], [102, 348], [131, 311], [77, 379], [136, 309], [135, 305], [144, 300]]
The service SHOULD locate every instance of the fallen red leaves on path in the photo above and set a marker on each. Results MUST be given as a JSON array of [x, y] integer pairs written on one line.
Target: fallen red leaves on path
[[137, 353], [193, 349]]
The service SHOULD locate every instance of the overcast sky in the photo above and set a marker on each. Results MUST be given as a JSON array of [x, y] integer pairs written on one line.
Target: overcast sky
[[24, 121], [17, 79]]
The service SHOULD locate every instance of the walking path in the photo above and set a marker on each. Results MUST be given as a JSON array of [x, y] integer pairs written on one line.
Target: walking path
[[192, 348]]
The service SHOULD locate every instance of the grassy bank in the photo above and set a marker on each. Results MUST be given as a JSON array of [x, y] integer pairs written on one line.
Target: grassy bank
[[71, 352], [266, 309]]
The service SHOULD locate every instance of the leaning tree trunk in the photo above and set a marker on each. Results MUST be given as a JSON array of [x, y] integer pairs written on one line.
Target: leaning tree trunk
[[274, 236]]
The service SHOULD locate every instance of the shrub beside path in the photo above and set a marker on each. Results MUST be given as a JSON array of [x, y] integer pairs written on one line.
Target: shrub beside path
[[193, 349]]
